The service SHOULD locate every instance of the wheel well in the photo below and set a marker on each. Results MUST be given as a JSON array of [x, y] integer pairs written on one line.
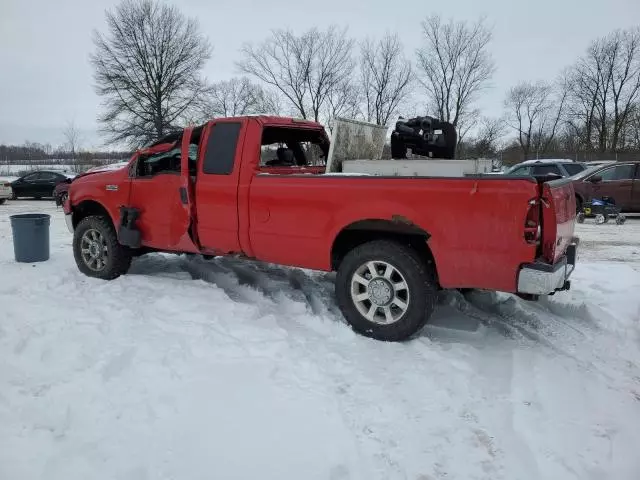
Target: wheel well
[[369, 230], [86, 209]]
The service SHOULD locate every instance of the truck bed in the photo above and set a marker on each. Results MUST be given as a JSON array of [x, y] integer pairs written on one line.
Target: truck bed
[[473, 223]]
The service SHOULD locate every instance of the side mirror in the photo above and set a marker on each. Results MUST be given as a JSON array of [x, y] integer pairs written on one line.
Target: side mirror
[[595, 179]]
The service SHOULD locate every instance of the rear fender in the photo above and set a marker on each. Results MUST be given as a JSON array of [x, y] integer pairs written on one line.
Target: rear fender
[[390, 212]]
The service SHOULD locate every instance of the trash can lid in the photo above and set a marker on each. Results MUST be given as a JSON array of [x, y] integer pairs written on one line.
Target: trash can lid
[[29, 216]]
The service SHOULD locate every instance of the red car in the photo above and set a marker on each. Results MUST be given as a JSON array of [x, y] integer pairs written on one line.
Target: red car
[[393, 241], [619, 181]]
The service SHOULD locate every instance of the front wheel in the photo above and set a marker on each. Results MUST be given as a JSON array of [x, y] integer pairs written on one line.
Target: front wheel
[[97, 251], [385, 290]]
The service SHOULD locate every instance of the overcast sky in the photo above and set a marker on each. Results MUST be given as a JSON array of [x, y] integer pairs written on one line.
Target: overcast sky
[[46, 79]]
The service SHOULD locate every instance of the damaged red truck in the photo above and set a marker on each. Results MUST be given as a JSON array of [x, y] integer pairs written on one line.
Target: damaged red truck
[[393, 241]]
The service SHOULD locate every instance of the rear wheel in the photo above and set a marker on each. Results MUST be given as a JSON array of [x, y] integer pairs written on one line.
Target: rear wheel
[[385, 290], [97, 251], [2, 200]]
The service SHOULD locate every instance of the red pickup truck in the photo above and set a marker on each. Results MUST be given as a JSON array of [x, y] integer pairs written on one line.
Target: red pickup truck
[[248, 186]]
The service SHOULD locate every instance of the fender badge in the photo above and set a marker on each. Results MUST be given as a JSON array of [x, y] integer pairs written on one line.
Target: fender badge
[[112, 188]]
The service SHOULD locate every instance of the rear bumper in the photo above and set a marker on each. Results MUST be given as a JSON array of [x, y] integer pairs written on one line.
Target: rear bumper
[[544, 279]]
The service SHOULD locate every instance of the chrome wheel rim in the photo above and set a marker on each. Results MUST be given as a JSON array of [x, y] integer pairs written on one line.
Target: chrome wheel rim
[[380, 292], [93, 249]]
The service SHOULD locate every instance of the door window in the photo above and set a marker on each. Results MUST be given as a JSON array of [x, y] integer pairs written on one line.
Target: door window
[[521, 171], [159, 163], [619, 172], [47, 177], [32, 177], [573, 168], [546, 170]]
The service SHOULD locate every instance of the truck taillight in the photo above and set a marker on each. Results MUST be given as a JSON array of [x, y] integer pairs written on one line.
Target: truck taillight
[[532, 223]]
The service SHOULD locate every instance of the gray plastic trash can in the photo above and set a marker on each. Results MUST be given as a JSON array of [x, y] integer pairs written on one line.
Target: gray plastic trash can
[[30, 237]]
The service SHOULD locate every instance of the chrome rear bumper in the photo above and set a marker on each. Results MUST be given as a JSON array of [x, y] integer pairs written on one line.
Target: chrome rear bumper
[[544, 279]]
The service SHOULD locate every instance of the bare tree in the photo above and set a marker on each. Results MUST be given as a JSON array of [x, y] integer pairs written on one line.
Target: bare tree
[[489, 134], [603, 86], [147, 69], [238, 96], [344, 101], [306, 69], [72, 138], [386, 77], [534, 111], [72, 144], [455, 65], [632, 132]]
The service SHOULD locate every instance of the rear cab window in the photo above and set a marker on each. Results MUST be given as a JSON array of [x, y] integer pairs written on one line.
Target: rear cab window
[[284, 146]]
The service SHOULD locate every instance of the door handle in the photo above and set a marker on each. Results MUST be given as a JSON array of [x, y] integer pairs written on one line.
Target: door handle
[[184, 198]]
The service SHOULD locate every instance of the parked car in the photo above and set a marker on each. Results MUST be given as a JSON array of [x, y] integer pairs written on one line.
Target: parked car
[[204, 190], [560, 167], [619, 181], [5, 190], [38, 184]]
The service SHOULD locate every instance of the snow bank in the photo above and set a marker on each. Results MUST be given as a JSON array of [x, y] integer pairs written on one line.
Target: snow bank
[[225, 369]]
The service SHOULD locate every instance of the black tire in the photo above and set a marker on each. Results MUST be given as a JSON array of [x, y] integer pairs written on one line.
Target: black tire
[[421, 291], [2, 200], [118, 257]]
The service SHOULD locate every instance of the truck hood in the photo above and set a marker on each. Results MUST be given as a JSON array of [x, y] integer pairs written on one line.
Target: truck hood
[[107, 168]]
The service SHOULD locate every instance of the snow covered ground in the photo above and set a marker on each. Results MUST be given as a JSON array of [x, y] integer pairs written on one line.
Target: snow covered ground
[[193, 369]]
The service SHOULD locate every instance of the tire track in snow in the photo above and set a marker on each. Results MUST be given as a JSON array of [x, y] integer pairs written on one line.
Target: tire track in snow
[[242, 280]]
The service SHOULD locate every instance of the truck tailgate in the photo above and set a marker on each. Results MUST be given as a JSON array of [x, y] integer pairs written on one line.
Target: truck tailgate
[[558, 218]]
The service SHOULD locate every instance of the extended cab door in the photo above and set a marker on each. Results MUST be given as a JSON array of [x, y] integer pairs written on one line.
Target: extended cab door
[[159, 191], [217, 185]]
